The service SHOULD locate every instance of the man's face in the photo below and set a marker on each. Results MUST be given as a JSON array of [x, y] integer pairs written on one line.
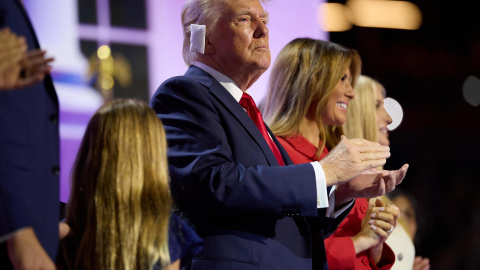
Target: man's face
[[241, 37]]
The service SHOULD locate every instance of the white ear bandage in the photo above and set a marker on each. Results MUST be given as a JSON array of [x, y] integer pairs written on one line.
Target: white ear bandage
[[197, 38]]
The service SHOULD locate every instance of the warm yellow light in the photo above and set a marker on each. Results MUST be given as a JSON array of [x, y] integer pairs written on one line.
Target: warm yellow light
[[332, 17], [107, 82], [103, 52], [385, 14]]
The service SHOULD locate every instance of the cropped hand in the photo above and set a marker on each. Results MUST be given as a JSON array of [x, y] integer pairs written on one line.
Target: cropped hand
[[34, 67], [421, 263], [63, 230], [351, 157], [25, 252], [12, 49]]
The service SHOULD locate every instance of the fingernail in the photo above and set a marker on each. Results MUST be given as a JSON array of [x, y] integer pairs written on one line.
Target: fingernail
[[381, 209], [373, 215], [373, 227], [370, 221]]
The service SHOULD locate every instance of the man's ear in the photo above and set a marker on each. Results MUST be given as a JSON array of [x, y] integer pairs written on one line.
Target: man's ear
[[209, 47]]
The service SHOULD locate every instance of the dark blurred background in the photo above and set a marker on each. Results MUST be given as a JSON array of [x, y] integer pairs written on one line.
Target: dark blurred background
[[424, 70]]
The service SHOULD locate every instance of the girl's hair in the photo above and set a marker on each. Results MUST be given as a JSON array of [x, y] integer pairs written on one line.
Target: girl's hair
[[120, 200], [305, 72], [361, 114]]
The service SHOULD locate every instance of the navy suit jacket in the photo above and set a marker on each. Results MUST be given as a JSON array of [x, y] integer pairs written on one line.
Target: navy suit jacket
[[29, 149], [250, 211]]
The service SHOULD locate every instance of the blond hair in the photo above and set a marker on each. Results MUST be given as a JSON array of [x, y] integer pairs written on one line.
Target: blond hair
[[361, 114], [120, 200], [305, 72]]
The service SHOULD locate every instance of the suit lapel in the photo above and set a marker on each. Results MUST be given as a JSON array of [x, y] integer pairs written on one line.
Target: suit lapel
[[283, 152], [227, 100]]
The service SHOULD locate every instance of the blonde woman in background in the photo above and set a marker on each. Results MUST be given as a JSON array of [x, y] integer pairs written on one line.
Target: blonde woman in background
[[310, 88], [368, 119], [120, 203]]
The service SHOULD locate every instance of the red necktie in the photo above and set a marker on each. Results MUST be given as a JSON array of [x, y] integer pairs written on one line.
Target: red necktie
[[247, 102]]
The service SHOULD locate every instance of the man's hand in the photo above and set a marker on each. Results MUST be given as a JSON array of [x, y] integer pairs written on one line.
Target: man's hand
[[12, 49], [351, 157], [393, 178], [34, 67], [25, 252], [369, 184]]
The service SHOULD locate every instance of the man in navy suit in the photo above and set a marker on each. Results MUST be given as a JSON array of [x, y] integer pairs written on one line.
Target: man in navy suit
[[29, 155], [250, 210]]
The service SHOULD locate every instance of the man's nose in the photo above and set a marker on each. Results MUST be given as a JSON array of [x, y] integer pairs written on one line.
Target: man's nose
[[262, 30]]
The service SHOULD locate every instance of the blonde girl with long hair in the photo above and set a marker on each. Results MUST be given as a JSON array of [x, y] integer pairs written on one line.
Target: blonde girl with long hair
[[120, 203], [368, 119]]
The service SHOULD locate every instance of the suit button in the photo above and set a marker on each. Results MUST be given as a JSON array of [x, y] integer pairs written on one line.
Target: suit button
[[54, 118], [56, 170]]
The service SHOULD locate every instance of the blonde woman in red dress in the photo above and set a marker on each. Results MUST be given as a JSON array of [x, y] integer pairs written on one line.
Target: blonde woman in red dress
[[310, 87]]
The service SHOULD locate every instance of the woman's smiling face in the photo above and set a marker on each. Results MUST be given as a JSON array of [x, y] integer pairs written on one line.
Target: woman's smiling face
[[336, 110]]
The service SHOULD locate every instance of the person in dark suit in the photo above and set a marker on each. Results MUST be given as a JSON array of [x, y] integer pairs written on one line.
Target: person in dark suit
[[29, 159], [227, 167]]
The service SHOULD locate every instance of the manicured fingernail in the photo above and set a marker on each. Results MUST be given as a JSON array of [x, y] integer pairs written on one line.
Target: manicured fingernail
[[381, 209], [373, 227], [371, 221], [373, 215]]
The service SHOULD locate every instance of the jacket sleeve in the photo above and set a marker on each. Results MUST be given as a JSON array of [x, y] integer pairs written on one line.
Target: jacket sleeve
[[387, 260], [340, 252]]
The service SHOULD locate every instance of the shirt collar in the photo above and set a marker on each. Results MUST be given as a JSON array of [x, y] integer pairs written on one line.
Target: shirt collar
[[225, 81]]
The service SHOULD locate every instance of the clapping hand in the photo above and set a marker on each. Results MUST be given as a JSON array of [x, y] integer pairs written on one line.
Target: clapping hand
[[34, 67], [12, 49], [351, 157], [383, 220], [371, 183], [19, 68]]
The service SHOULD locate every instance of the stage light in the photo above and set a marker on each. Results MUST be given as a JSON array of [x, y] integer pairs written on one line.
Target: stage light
[[103, 52], [385, 14], [332, 17]]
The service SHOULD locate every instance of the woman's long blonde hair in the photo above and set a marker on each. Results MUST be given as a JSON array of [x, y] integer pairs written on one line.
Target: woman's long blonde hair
[[362, 118], [361, 114], [305, 72], [120, 200]]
